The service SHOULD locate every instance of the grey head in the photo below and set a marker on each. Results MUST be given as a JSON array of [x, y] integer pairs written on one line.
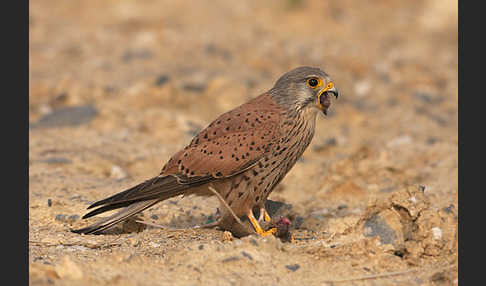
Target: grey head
[[303, 88]]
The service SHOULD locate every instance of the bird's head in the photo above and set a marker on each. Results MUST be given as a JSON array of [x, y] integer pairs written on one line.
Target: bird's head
[[304, 88]]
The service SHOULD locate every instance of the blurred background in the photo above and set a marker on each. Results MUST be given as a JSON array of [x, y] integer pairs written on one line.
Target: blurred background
[[156, 72], [116, 87]]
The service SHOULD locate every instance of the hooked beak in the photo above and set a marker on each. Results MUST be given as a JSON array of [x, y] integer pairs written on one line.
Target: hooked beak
[[323, 98]]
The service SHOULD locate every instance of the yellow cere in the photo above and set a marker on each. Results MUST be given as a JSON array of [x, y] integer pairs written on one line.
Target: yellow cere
[[329, 86]]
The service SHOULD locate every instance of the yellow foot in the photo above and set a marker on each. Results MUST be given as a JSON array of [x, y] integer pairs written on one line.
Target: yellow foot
[[271, 231], [257, 226], [264, 215]]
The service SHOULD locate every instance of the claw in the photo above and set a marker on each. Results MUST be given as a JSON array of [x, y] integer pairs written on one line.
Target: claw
[[258, 228], [264, 216]]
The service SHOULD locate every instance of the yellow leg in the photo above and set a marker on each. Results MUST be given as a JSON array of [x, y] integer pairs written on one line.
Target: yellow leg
[[264, 215], [258, 228]]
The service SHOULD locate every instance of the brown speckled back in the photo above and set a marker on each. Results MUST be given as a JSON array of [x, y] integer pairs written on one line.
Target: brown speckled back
[[231, 143]]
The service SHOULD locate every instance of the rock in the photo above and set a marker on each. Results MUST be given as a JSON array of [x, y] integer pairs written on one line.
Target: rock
[[428, 97], [386, 226], [214, 50], [66, 218], [406, 221], [38, 270], [117, 173], [161, 80], [68, 269], [67, 117], [398, 141], [140, 54], [154, 245], [432, 140], [362, 88], [57, 160], [292, 267], [246, 255], [437, 232], [226, 236], [194, 87], [231, 259]]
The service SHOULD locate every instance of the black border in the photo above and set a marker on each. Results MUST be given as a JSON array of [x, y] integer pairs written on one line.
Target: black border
[[15, 131]]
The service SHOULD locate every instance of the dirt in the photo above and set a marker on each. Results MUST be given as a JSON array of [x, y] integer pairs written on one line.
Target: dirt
[[116, 87]]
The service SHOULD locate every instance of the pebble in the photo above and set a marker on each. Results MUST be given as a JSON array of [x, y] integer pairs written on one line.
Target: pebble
[[398, 141], [57, 160], [362, 88], [437, 232], [292, 267], [449, 209], [68, 269], [161, 80], [194, 87], [231, 258], [388, 189], [139, 54], [117, 172], [432, 140], [66, 218], [154, 245], [377, 226], [428, 97], [246, 255], [227, 236], [70, 116]]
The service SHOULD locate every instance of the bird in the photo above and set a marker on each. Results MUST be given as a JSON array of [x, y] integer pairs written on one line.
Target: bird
[[240, 157]]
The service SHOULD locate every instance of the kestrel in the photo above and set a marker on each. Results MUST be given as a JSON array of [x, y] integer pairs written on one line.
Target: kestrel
[[243, 154]]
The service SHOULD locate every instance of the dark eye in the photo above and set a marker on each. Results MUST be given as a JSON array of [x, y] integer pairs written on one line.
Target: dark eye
[[312, 82]]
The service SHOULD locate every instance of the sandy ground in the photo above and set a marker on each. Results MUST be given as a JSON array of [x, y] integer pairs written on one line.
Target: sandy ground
[[116, 87]]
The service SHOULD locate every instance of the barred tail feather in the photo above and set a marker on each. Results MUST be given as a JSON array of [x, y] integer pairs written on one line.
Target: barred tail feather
[[137, 199], [116, 218]]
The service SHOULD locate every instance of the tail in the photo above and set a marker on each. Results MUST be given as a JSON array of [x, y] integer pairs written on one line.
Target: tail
[[116, 218], [135, 200]]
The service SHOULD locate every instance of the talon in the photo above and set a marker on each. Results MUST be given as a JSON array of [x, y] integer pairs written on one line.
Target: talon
[[266, 216], [269, 232], [258, 228]]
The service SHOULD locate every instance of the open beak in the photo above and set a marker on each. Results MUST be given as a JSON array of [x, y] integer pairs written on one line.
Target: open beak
[[323, 98]]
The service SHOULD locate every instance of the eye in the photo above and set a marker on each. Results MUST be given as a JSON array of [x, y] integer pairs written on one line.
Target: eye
[[314, 82]]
